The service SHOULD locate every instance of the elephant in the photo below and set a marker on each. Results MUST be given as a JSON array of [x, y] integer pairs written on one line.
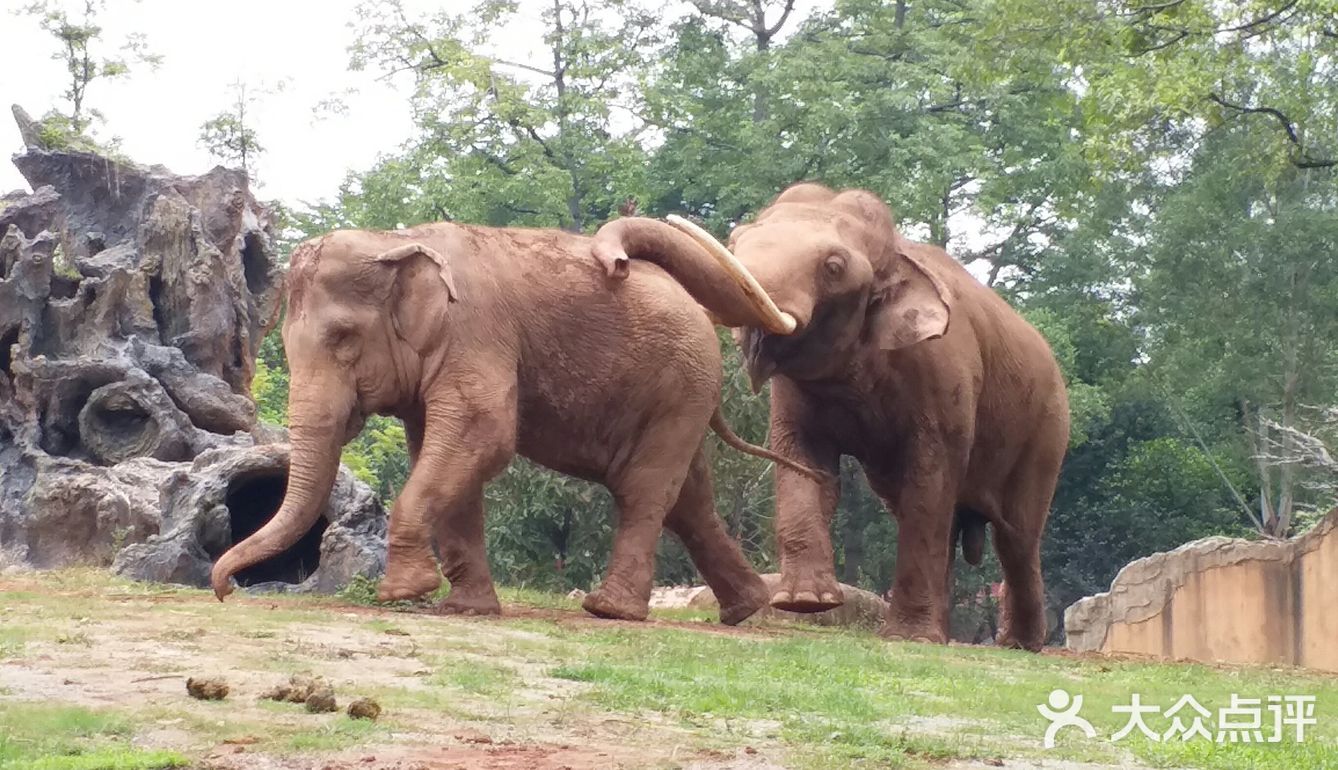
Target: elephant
[[491, 342], [890, 352]]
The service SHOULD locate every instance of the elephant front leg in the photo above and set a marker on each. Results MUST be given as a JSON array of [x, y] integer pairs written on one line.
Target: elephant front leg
[[466, 441], [804, 510], [464, 560], [920, 599], [411, 569]]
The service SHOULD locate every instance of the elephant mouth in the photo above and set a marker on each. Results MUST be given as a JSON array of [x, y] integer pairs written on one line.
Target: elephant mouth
[[810, 353], [765, 353]]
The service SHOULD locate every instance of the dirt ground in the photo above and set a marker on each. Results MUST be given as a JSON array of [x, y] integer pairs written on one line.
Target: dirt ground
[[456, 692], [132, 652]]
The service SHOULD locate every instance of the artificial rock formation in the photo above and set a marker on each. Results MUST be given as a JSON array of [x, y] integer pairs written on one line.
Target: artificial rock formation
[[132, 305], [1222, 599]]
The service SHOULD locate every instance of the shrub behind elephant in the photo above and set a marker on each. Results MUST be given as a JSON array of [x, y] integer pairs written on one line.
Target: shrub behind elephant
[[488, 342], [889, 351]]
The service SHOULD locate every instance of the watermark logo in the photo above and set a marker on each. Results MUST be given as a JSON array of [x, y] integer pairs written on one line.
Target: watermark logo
[[1063, 712], [1245, 720]]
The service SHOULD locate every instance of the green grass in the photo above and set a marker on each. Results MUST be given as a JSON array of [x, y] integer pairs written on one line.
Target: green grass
[[41, 737], [850, 699], [337, 734], [13, 640], [810, 697], [477, 677]]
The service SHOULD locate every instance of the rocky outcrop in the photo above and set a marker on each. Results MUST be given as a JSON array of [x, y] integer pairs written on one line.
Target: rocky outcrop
[[132, 306], [1221, 599], [227, 494]]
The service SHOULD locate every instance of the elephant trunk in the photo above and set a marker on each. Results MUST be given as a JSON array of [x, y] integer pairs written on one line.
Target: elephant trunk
[[709, 272], [317, 425]]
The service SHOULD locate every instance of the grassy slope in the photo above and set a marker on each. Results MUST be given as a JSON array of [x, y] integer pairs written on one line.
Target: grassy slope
[[801, 697]]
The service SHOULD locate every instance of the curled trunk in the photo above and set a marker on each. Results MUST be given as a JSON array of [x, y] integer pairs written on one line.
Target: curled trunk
[[316, 432], [705, 268]]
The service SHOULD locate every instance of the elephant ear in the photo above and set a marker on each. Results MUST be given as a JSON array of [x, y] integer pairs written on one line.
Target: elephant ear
[[400, 253], [912, 305]]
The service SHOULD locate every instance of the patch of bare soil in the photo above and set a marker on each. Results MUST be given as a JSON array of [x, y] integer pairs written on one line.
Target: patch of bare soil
[[499, 757], [511, 757], [133, 654]]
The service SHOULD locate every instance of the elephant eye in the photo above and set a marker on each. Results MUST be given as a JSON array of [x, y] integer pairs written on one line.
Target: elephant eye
[[341, 338], [835, 266]]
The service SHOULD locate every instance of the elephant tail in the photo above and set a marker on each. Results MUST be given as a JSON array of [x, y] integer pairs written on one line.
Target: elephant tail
[[728, 436]]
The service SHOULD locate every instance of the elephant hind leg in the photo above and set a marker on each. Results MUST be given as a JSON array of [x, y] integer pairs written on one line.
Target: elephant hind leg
[[644, 488], [693, 519], [1017, 540], [464, 561]]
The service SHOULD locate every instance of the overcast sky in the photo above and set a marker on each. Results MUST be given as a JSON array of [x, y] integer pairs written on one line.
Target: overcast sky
[[208, 45]]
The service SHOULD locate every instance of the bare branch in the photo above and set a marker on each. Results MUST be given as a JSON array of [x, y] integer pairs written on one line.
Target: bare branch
[[774, 28], [1300, 160], [1266, 18], [1203, 447]]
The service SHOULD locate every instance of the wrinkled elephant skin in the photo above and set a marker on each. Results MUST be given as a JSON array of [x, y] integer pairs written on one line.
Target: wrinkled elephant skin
[[898, 357], [489, 343]]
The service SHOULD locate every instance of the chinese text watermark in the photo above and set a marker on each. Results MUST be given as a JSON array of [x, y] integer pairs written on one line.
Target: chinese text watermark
[[1246, 720]]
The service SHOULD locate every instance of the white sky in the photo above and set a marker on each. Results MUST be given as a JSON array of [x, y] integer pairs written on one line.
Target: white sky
[[208, 45]]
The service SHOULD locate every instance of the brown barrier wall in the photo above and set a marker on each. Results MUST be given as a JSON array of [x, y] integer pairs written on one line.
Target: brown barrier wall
[[1222, 600]]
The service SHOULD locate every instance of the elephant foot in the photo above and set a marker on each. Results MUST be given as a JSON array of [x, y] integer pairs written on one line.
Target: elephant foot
[[916, 627], [1021, 636], [605, 603], [1009, 641], [406, 582], [808, 593], [461, 601], [752, 599]]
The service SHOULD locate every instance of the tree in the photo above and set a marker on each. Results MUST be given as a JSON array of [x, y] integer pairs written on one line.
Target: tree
[[514, 142], [230, 135], [879, 96], [1240, 299], [755, 16], [81, 46], [1147, 67]]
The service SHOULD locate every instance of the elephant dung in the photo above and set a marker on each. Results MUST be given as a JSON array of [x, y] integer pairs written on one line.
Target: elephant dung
[[322, 700], [207, 688], [297, 689], [364, 708]]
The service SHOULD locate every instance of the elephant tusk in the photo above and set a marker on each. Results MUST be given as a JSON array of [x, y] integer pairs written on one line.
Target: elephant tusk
[[776, 320]]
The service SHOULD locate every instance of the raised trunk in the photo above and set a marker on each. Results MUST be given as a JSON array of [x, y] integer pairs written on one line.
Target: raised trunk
[[316, 430], [689, 263]]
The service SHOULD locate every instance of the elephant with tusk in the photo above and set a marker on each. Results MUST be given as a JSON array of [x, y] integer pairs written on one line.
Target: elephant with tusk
[[888, 351], [490, 342]]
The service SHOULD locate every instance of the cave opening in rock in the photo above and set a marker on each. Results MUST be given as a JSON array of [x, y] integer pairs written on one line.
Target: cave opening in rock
[[120, 420], [254, 264], [253, 500], [63, 287], [156, 300], [8, 339]]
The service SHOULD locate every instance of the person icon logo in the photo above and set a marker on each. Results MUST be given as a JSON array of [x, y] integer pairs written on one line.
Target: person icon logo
[[1062, 712]]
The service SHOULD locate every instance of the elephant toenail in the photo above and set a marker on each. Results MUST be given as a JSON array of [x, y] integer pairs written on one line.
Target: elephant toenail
[[781, 597], [807, 597], [828, 597]]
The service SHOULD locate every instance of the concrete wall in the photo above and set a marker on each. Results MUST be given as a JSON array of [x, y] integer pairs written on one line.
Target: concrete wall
[[1222, 600]]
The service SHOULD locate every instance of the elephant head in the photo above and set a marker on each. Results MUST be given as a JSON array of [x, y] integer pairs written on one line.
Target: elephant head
[[363, 309], [819, 275]]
